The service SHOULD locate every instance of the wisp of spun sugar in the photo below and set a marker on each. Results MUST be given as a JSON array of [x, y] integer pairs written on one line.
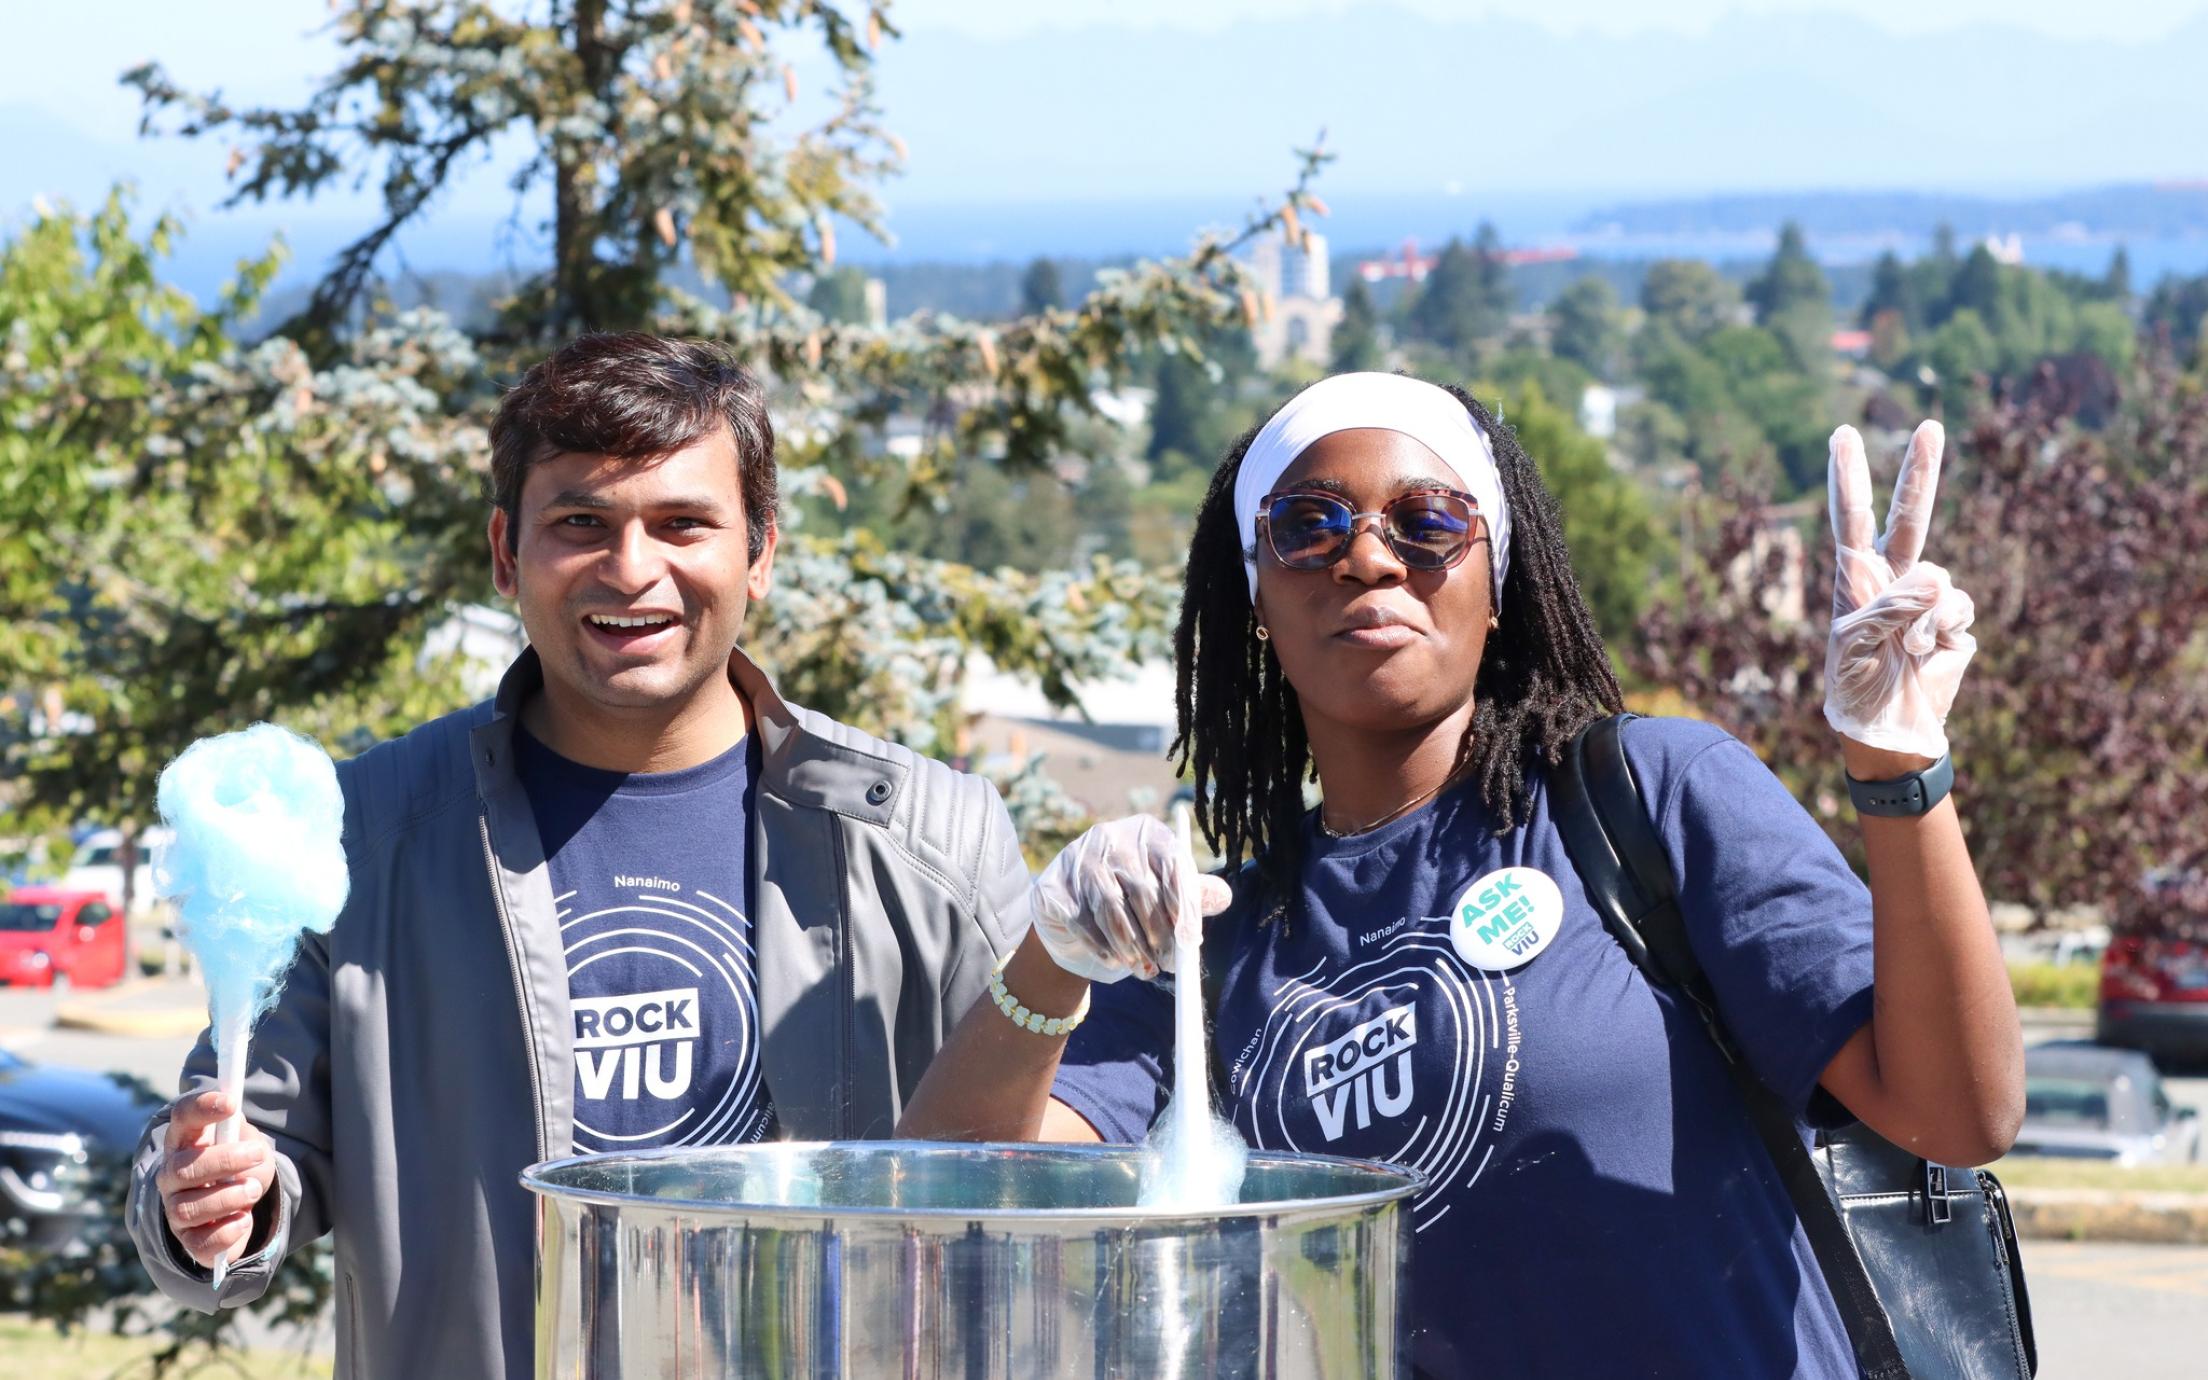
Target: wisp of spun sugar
[[1195, 1159]]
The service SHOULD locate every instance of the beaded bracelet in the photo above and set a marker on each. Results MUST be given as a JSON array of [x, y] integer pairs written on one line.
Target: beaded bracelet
[[1025, 1019]]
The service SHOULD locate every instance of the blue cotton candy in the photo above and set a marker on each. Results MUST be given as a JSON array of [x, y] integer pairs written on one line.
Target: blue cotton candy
[[257, 858]]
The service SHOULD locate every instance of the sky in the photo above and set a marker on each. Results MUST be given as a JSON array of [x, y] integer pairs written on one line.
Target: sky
[[64, 58], [2123, 19]]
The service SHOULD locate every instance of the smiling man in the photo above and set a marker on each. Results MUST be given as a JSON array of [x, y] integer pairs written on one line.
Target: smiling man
[[636, 900]]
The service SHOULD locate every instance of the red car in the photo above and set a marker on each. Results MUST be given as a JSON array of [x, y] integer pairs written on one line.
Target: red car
[[2154, 979], [55, 938]]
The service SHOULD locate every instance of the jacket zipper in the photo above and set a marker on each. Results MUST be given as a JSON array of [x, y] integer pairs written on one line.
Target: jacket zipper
[[521, 988], [352, 1309], [849, 993]]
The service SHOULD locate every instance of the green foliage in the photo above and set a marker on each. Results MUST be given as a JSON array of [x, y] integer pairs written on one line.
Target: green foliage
[[227, 533], [1960, 353], [2116, 284], [1040, 290], [1523, 367], [1893, 289], [1587, 326], [2177, 310], [1749, 411], [1357, 336], [1179, 408], [1607, 522], [655, 127], [1977, 285], [1794, 302], [1465, 301], [2039, 983], [1687, 298], [839, 296], [1791, 279]]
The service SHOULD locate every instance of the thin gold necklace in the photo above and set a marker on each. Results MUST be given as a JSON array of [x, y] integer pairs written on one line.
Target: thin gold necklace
[[1390, 817]]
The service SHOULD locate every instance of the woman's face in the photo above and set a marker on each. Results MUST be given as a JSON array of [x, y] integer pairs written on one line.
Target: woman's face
[[1368, 642]]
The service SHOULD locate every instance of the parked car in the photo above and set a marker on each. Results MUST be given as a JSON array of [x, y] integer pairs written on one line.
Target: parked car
[[55, 1126], [2154, 979], [98, 866], [2085, 1102], [50, 937]]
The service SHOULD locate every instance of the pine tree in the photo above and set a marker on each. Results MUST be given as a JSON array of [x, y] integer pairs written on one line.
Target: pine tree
[[1465, 300], [1791, 280], [2117, 283], [1587, 326], [1357, 337], [1977, 285], [1892, 291], [1039, 288]]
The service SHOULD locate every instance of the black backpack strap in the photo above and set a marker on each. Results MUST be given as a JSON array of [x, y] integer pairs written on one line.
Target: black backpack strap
[[1599, 812]]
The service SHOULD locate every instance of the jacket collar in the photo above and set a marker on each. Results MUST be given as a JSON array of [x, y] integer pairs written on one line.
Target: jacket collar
[[797, 762]]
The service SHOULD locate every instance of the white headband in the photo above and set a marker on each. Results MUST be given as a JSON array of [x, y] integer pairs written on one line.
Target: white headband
[[1377, 402]]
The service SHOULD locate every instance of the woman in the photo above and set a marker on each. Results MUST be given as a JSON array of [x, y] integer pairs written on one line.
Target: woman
[[1378, 591]]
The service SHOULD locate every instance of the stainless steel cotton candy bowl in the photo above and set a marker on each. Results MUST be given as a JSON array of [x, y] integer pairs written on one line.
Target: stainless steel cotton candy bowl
[[904, 1259]]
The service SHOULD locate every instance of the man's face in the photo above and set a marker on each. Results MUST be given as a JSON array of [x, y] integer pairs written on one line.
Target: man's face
[[632, 576]]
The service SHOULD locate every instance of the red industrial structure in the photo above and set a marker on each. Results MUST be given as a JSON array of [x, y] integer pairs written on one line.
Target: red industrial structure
[[1410, 264]]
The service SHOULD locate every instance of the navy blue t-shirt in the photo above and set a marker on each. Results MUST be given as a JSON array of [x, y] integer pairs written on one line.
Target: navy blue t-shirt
[[1598, 1201], [651, 882]]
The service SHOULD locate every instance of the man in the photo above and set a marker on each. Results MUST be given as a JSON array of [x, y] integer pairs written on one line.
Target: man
[[635, 900]]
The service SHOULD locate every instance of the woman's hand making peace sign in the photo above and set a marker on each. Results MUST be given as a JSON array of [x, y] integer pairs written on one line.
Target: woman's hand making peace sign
[[1900, 628]]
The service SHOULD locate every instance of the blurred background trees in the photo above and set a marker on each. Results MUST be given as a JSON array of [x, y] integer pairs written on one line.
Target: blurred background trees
[[236, 523]]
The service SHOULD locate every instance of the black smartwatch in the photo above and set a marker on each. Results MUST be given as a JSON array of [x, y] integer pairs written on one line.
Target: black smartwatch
[[1905, 796]]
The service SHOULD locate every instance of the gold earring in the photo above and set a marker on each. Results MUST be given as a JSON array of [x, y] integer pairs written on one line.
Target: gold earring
[[1493, 622], [1263, 635]]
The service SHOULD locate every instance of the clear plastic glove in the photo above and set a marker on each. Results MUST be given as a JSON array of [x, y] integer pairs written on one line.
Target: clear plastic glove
[[1900, 628], [1106, 906]]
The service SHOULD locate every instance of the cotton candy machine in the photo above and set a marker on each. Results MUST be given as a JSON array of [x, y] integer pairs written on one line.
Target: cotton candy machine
[[898, 1259]]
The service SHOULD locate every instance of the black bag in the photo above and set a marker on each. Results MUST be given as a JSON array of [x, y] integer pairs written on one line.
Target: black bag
[[1921, 1258]]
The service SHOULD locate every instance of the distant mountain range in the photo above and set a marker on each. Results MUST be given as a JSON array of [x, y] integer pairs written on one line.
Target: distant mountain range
[[2169, 209], [1490, 106]]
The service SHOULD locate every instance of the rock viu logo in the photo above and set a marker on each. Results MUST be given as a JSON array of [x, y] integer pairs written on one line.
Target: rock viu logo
[[1363, 1073], [638, 1045]]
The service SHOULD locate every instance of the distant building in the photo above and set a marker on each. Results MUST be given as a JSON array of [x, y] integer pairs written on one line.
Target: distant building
[[486, 639], [1598, 411], [877, 303], [2006, 249], [1129, 406], [1297, 287], [1108, 754], [1409, 265]]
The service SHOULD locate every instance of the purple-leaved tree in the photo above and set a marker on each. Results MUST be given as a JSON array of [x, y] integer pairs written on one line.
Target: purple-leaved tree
[[2081, 733]]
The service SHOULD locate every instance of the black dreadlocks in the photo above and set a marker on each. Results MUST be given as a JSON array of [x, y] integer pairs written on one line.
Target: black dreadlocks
[[1543, 676]]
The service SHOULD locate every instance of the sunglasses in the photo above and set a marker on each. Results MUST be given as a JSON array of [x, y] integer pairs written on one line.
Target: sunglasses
[[1429, 530]]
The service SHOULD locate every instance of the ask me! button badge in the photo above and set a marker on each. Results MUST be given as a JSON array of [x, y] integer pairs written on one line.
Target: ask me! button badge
[[1506, 918]]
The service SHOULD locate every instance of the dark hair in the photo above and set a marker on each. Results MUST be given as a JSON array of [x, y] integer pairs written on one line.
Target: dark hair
[[634, 396], [1543, 677]]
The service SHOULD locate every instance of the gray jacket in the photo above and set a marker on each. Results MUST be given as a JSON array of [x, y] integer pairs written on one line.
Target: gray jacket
[[420, 1055]]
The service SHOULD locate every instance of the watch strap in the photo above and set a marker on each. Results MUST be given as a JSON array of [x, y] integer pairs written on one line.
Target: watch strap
[[1905, 796]]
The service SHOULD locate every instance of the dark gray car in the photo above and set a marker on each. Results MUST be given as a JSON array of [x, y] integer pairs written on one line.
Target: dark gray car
[[55, 1125], [2082, 1101]]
